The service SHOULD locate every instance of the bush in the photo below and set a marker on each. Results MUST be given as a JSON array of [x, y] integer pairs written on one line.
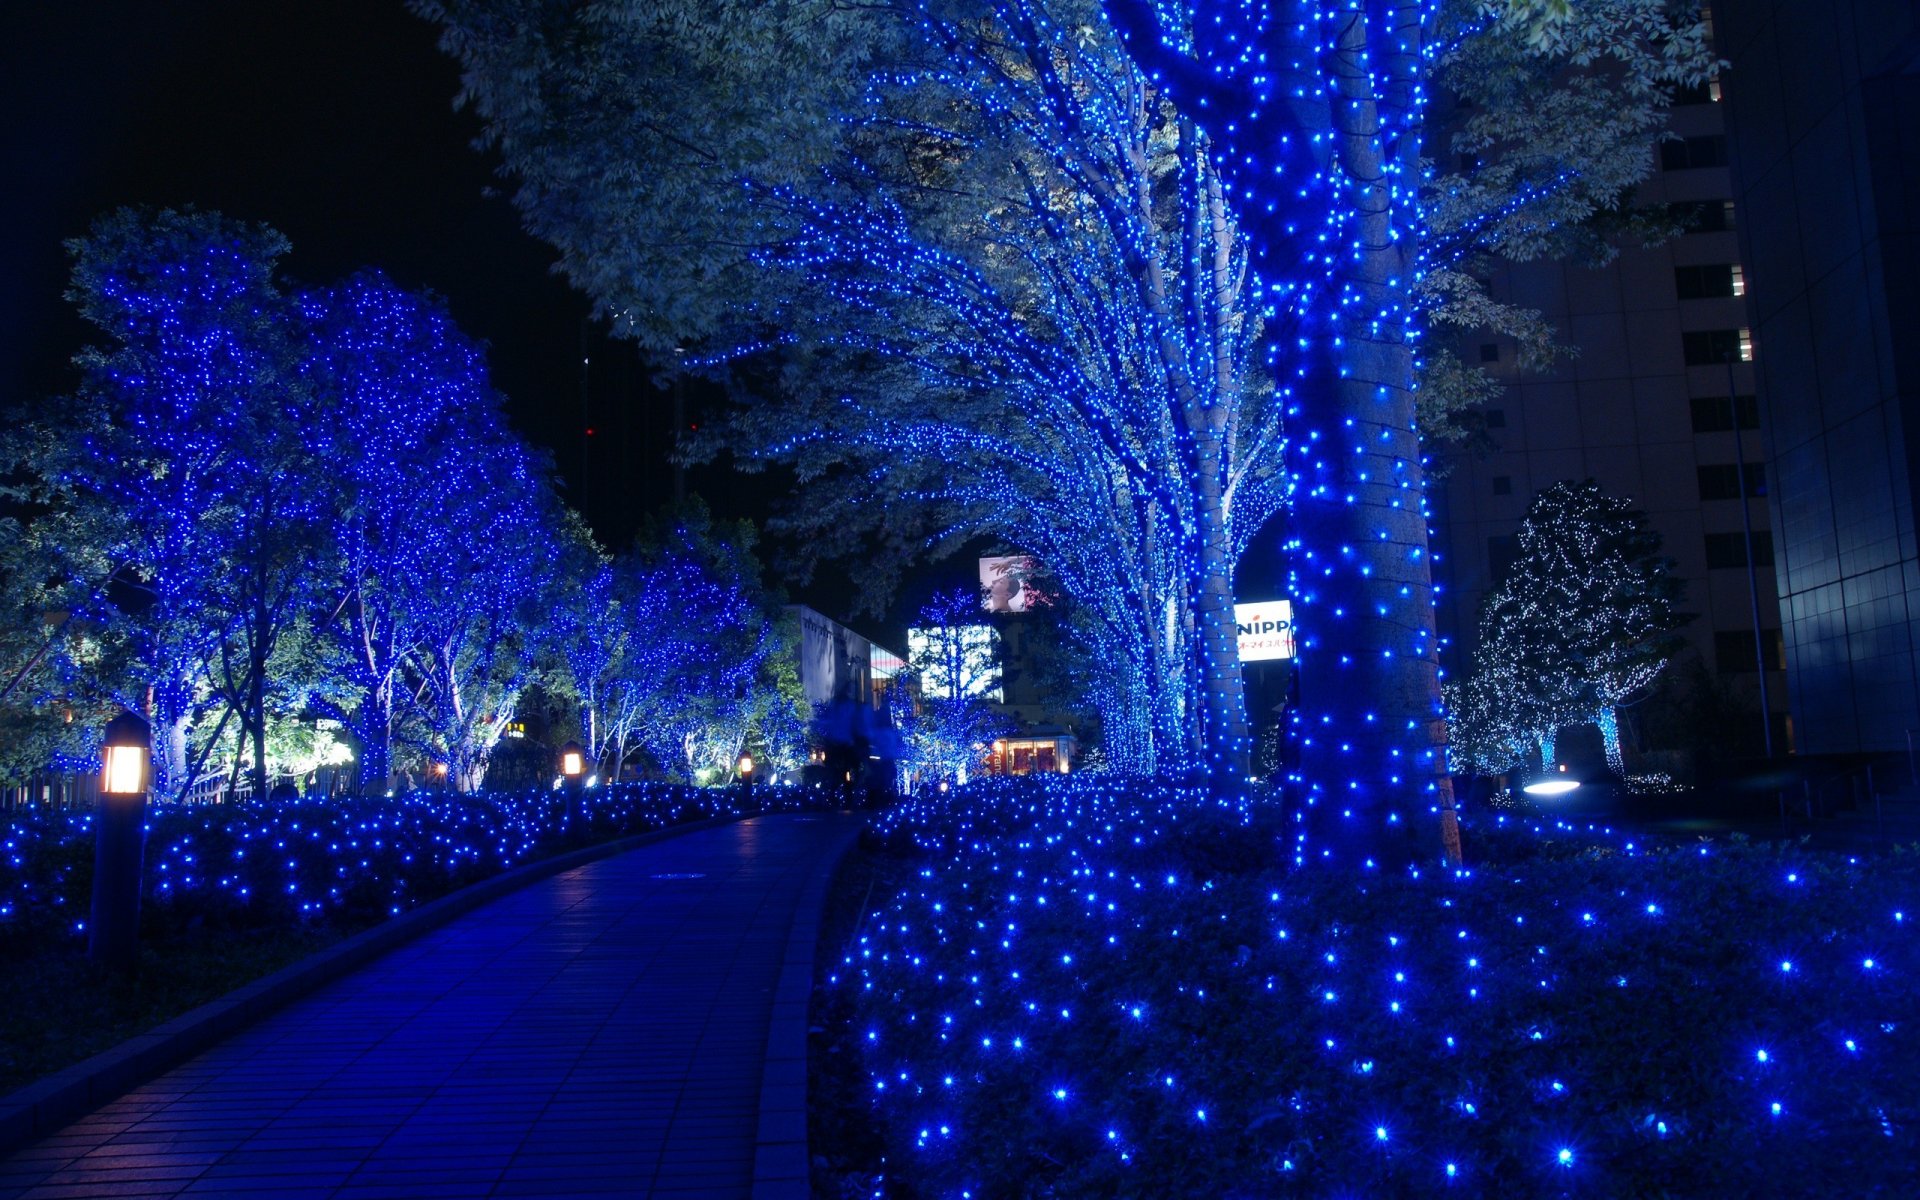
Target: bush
[[1084, 991], [351, 862]]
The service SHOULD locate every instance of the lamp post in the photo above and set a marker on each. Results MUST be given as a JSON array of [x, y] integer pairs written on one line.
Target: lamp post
[[119, 822], [1753, 577], [746, 769]]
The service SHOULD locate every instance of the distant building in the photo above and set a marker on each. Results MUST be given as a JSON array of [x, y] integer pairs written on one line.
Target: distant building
[[1037, 753], [1648, 407], [838, 664]]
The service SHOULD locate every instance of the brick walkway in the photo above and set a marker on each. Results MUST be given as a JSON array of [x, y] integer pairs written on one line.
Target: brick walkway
[[604, 1032]]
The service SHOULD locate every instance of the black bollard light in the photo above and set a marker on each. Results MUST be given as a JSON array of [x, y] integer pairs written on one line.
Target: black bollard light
[[746, 769], [119, 825]]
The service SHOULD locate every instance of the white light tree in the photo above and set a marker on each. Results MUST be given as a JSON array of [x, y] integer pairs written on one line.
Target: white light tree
[[953, 651], [1587, 615]]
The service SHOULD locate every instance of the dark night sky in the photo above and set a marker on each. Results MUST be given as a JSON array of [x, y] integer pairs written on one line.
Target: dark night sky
[[334, 123]]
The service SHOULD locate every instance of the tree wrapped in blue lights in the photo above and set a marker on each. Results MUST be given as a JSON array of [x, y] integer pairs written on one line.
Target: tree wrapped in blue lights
[[444, 538], [673, 654], [1304, 124], [187, 502], [953, 653], [1317, 111], [270, 507], [1000, 275]]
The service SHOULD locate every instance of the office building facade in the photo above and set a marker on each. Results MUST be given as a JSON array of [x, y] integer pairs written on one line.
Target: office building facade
[[1658, 403], [1823, 109]]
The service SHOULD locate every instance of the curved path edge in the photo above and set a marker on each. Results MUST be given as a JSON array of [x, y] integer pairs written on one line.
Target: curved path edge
[[782, 1165], [65, 1096]]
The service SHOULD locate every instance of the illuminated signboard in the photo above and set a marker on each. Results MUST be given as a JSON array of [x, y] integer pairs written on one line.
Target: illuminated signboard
[[1265, 629], [1007, 584]]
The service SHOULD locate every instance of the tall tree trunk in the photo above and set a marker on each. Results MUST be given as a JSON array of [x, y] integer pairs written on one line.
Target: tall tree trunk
[[1372, 762], [257, 704], [1226, 743], [1373, 739], [1609, 721], [172, 713], [376, 735]]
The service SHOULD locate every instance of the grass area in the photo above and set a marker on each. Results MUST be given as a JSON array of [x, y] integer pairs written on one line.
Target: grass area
[[62, 1009], [1084, 988], [849, 1153]]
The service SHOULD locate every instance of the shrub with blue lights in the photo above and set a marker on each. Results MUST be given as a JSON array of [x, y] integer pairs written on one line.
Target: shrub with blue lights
[[1091, 987], [351, 862]]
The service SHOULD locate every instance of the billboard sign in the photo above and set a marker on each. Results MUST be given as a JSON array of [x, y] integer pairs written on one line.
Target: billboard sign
[[1265, 629], [1007, 584]]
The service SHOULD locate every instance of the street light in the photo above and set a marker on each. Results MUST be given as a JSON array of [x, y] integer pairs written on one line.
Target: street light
[[573, 761], [1551, 785], [746, 769], [119, 830]]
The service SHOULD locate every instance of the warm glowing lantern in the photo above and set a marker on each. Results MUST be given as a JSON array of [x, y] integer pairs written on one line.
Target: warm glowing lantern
[[125, 757], [573, 760]]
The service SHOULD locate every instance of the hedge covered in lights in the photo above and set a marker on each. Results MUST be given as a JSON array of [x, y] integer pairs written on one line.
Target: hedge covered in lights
[[353, 861], [1093, 988]]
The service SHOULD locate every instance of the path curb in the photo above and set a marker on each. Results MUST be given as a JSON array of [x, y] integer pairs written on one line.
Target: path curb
[[782, 1167], [65, 1096]]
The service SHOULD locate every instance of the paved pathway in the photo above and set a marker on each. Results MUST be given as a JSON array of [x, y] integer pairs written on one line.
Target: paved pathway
[[603, 1032]]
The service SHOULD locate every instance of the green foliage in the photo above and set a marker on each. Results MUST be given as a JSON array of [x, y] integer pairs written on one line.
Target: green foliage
[[996, 286], [631, 125], [1547, 119]]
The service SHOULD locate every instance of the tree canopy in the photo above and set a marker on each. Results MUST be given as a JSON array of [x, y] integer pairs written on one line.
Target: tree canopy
[[1113, 301], [1582, 624], [273, 505]]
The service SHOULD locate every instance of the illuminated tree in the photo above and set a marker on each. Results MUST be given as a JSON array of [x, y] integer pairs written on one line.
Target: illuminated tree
[[674, 653], [443, 539], [60, 672], [951, 650], [1523, 687], [999, 273], [281, 504], [1316, 112], [1305, 122], [782, 714], [1591, 593], [182, 469]]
